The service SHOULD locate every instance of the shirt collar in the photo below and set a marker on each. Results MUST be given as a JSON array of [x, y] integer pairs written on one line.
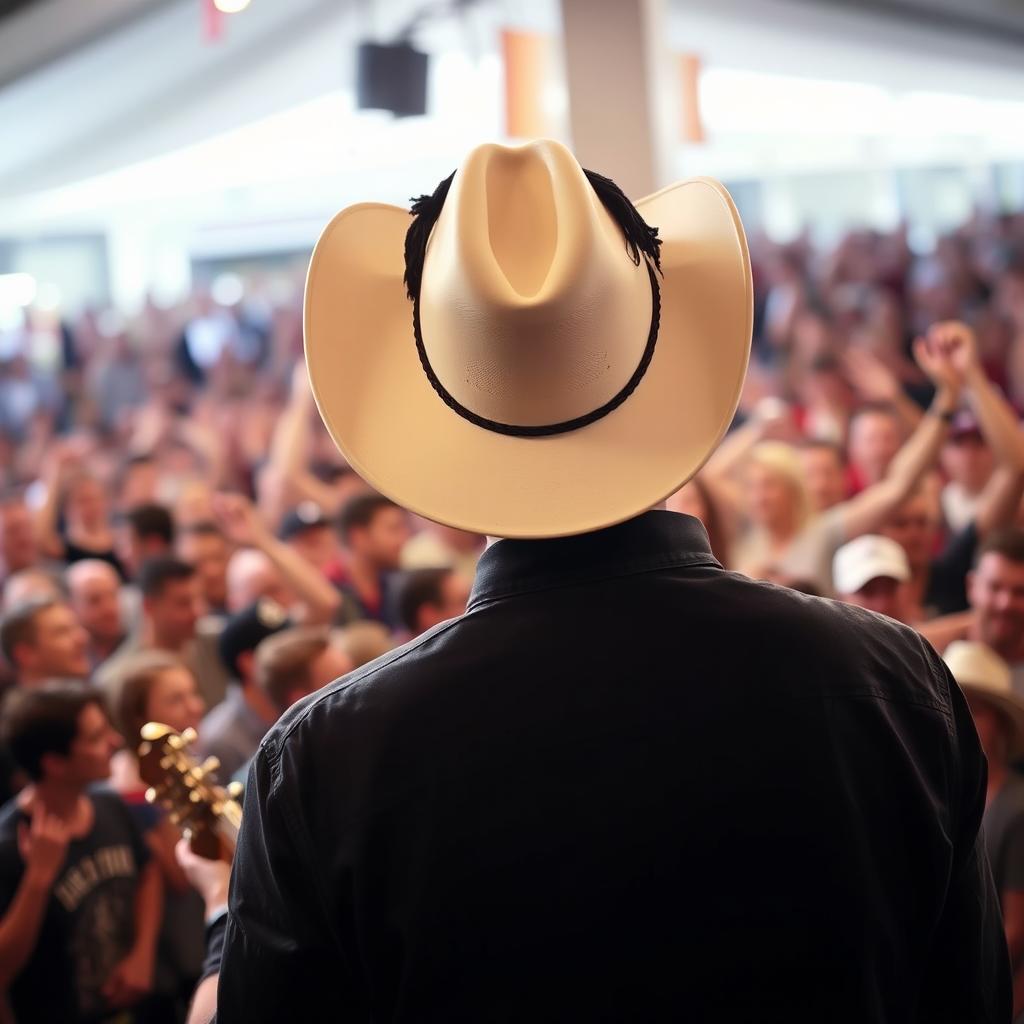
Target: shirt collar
[[653, 540]]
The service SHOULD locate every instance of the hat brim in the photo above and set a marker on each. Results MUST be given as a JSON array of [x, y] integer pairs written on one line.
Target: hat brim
[[391, 426], [1011, 707]]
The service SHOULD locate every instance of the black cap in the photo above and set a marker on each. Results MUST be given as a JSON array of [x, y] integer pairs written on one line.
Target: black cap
[[245, 630], [305, 516]]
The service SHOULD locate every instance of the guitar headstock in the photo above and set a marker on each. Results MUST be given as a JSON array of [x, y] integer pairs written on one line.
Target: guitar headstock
[[189, 790]]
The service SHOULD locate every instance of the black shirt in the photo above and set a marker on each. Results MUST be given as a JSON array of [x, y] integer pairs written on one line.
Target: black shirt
[[627, 785], [89, 923], [947, 579]]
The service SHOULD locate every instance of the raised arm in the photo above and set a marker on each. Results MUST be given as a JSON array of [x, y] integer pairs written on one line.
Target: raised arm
[[1001, 497], [242, 523], [55, 476], [869, 509]]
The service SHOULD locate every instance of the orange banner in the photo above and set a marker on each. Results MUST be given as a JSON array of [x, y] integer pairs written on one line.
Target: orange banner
[[526, 63]]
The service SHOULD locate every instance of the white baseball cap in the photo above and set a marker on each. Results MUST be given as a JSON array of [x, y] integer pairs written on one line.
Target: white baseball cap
[[865, 559]]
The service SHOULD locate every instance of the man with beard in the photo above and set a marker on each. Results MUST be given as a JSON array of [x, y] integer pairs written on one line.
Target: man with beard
[[996, 592]]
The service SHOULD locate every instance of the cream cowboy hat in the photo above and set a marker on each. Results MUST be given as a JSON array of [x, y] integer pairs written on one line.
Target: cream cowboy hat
[[510, 361], [982, 673]]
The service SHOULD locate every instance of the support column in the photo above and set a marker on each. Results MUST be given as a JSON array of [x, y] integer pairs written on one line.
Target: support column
[[620, 90]]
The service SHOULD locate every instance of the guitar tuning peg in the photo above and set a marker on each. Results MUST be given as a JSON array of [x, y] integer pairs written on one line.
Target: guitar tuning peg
[[188, 737], [195, 796], [167, 763], [235, 790], [175, 742], [211, 764]]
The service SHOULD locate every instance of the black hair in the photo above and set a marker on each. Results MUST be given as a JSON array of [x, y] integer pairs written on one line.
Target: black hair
[[420, 587], [156, 573]]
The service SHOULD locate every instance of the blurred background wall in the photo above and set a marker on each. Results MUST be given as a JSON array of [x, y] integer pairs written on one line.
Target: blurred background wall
[[150, 146]]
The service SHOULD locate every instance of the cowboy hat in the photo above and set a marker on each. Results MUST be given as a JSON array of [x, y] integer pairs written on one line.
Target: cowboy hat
[[512, 361], [983, 674]]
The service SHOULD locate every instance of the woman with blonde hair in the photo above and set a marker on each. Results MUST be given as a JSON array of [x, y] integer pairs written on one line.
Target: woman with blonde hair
[[785, 539]]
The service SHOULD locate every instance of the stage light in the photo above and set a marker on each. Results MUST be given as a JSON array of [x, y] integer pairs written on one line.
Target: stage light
[[230, 6]]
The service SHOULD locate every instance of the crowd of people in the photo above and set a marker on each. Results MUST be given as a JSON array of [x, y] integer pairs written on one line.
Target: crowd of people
[[181, 542]]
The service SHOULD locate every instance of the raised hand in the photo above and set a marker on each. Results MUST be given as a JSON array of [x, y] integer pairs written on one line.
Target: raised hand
[[933, 356], [43, 846], [957, 341], [239, 520]]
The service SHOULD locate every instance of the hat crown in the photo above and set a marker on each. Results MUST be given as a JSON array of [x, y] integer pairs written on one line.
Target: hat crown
[[531, 310], [977, 666]]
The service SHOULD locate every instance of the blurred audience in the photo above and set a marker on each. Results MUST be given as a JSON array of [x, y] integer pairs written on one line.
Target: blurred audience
[[177, 527]]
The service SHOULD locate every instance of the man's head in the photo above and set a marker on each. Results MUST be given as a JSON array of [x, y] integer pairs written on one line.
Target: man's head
[[296, 662], [966, 458], [59, 734], [363, 641], [998, 712], [245, 631], [32, 583], [17, 538], [995, 590], [94, 595], [875, 438], [525, 380], [824, 473], [252, 575], [42, 640], [429, 596], [145, 532], [206, 548], [912, 526], [170, 600], [870, 572], [309, 531], [374, 529]]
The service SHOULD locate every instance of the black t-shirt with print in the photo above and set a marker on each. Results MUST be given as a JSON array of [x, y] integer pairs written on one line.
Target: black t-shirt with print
[[89, 922]]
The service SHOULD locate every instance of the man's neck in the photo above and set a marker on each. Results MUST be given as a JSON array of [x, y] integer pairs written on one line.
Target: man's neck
[[104, 647], [162, 642], [260, 703]]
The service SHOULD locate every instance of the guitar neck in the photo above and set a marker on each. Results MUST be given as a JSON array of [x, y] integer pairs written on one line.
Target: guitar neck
[[229, 821]]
